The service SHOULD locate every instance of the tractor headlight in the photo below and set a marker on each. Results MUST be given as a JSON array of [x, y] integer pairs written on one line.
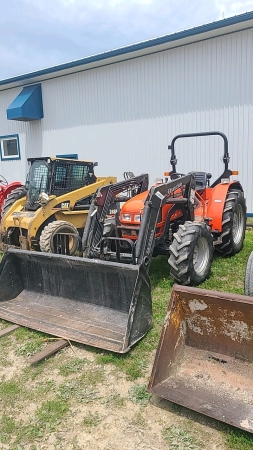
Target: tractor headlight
[[126, 216], [137, 218]]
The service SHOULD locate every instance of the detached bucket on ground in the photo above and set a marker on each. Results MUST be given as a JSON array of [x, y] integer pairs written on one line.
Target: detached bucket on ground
[[204, 359], [94, 302]]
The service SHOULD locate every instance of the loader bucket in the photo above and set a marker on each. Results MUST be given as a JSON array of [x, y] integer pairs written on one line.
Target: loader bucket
[[94, 302], [204, 359]]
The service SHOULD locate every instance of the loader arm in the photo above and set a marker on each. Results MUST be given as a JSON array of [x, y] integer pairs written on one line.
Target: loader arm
[[142, 249], [100, 207], [158, 196]]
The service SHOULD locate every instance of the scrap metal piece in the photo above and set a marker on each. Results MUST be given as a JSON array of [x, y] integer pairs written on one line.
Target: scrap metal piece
[[48, 351], [8, 330]]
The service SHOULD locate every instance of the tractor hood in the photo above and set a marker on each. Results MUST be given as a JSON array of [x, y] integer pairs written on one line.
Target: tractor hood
[[135, 204]]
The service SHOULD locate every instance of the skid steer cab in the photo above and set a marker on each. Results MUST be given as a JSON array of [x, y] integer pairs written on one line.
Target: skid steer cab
[[191, 221], [55, 199]]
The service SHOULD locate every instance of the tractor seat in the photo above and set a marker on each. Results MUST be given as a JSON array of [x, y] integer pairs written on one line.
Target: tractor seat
[[201, 180]]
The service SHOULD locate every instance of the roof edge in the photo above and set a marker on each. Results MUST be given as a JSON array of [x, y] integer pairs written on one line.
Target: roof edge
[[130, 49]]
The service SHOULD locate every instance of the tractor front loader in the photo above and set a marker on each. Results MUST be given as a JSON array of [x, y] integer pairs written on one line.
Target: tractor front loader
[[91, 300], [56, 199]]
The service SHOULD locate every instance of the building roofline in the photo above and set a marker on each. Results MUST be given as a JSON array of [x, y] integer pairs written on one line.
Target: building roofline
[[210, 30]]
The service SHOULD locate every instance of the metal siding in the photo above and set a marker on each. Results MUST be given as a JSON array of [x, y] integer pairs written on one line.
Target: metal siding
[[124, 115]]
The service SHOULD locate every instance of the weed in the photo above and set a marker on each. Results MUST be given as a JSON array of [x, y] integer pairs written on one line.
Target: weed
[[133, 365], [74, 389], [93, 376], [28, 433], [7, 426], [139, 394], [91, 420], [51, 412], [45, 388], [139, 421], [180, 439], [75, 444], [23, 333], [4, 361], [34, 371], [11, 392], [29, 348], [75, 365], [114, 400]]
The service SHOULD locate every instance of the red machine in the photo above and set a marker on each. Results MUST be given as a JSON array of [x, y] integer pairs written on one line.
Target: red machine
[[6, 189]]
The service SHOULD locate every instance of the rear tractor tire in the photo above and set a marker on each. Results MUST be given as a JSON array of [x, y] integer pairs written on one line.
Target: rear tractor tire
[[233, 224], [191, 253], [248, 281], [11, 198], [58, 227]]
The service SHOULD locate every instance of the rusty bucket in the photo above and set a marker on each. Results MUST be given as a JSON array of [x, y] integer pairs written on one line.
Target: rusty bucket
[[204, 360]]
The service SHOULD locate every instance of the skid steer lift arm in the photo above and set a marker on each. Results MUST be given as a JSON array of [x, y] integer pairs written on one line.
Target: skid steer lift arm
[[142, 249]]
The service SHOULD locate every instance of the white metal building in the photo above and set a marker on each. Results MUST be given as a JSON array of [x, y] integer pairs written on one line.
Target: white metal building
[[123, 107]]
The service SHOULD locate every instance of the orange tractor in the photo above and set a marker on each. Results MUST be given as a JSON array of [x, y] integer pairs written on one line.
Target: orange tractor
[[194, 217]]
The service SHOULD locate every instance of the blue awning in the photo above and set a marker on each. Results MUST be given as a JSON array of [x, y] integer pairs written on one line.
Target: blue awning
[[27, 105]]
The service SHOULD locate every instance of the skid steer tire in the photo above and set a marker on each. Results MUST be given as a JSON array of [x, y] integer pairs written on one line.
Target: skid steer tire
[[11, 198], [57, 227], [191, 253], [248, 281], [233, 224]]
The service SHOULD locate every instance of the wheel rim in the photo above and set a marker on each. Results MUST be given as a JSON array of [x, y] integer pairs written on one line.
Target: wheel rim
[[71, 240], [238, 224], [201, 256]]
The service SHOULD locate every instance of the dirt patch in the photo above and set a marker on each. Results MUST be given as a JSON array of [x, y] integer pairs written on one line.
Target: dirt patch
[[102, 417]]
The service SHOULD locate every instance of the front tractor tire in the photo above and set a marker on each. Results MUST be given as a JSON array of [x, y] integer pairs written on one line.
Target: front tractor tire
[[191, 253], [58, 227], [233, 224]]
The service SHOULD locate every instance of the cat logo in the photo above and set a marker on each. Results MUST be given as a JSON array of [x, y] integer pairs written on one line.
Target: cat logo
[[65, 205]]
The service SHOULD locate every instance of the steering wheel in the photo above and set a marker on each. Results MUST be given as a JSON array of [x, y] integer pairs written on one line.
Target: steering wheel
[[3, 181]]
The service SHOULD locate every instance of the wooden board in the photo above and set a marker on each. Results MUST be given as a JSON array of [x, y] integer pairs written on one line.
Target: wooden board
[[48, 351], [8, 330]]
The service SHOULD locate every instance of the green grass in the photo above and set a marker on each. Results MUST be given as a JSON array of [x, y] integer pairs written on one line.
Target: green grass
[[138, 394], [178, 438], [75, 365], [83, 388], [52, 411], [12, 393], [239, 440]]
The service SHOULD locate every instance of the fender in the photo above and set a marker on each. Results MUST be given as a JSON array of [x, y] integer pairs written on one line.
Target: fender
[[217, 202]]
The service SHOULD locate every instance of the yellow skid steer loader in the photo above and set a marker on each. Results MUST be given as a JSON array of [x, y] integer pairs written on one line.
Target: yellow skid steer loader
[[56, 199]]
